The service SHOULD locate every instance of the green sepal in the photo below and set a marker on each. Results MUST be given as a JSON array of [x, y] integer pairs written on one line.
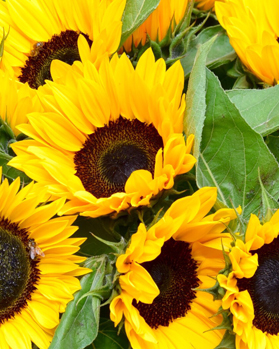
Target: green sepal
[[220, 53], [7, 137], [167, 39], [186, 19], [3, 41], [117, 247], [180, 42], [241, 83], [228, 341], [236, 70], [156, 49], [244, 78], [216, 291], [226, 323]]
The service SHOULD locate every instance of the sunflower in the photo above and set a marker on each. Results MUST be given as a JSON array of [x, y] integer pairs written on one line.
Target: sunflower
[[40, 31], [38, 268], [156, 26], [162, 271], [253, 29], [109, 139], [16, 100], [252, 285]]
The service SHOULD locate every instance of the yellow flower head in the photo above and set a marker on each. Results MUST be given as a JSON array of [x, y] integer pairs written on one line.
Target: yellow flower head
[[252, 26], [38, 268], [160, 271], [252, 286], [44, 30], [167, 14], [16, 101], [109, 139]]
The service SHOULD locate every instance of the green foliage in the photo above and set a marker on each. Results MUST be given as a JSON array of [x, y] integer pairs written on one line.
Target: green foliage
[[7, 137], [228, 341], [273, 145], [221, 51], [229, 152], [195, 98], [232, 153], [135, 13], [80, 323], [108, 337], [260, 108], [269, 203]]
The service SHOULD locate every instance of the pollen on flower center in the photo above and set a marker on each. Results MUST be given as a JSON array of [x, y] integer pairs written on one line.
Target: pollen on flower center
[[62, 47], [175, 273], [113, 152], [263, 288], [18, 272]]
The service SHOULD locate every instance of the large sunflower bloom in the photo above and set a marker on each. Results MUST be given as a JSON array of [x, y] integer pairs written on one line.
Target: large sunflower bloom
[[156, 26], [253, 29], [111, 139], [43, 30], [252, 286], [38, 269], [16, 101], [161, 271]]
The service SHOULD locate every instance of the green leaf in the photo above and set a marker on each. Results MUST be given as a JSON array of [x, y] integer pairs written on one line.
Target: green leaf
[[80, 323], [270, 204], [273, 145], [228, 341], [195, 98], [232, 153], [135, 13], [108, 337], [260, 108], [220, 53]]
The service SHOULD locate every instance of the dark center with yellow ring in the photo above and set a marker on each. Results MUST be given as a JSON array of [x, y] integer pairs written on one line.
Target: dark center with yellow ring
[[62, 47], [18, 272], [113, 152], [263, 288], [175, 273]]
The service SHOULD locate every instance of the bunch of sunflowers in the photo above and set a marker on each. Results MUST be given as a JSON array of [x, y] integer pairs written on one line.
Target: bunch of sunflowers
[[139, 149]]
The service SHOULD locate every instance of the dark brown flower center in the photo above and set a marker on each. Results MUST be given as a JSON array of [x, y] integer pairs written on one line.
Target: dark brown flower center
[[263, 288], [175, 273], [62, 47], [18, 272], [113, 152]]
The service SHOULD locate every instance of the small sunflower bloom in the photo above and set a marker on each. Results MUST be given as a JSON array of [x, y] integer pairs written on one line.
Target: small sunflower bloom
[[252, 286], [156, 26], [38, 269], [162, 271], [252, 27], [45, 30], [110, 139]]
